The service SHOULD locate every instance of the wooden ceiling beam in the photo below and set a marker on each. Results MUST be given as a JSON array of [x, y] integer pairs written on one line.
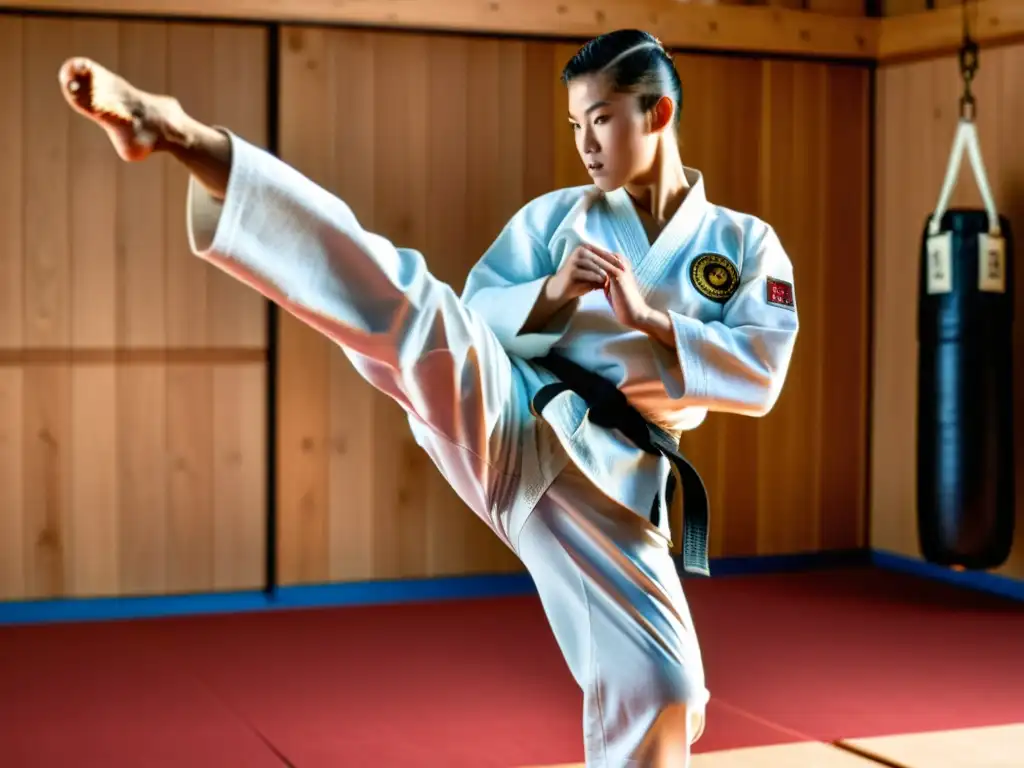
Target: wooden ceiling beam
[[681, 25], [940, 32]]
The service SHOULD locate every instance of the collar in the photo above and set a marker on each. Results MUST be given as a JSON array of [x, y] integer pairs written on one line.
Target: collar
[[650, 259]]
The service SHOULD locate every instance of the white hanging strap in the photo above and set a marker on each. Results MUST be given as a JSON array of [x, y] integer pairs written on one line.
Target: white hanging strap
[[966, 138]]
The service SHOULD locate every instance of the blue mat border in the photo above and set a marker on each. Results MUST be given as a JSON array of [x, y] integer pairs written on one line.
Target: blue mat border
[[980, 581], [453, 588]]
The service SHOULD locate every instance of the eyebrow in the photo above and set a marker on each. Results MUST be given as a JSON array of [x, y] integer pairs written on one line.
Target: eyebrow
[[592, 107]]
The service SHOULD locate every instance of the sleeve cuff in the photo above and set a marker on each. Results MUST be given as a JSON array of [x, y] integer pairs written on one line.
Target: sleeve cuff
[[506, 309], [212, 223], [689, 338]]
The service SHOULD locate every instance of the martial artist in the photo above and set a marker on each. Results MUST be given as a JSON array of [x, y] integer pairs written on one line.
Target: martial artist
[[683, 305]]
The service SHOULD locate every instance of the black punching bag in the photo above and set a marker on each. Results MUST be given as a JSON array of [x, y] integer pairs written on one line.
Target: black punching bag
[[965, 460]]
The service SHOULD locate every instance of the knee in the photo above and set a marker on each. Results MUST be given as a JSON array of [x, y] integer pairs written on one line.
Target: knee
[[684, 719], [684, 701], [668, 742]]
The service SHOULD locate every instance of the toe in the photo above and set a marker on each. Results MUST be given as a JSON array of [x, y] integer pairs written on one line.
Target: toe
[[73, 69], [76, 83]]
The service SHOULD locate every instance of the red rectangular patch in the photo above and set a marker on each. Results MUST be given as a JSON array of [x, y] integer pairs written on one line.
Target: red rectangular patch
[[780, 293]]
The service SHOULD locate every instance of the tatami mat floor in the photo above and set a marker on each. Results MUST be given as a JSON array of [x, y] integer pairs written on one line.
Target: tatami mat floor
[[992, 747]]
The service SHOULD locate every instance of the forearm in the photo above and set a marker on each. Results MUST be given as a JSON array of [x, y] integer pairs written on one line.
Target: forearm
[[544, 309], [658, 325]]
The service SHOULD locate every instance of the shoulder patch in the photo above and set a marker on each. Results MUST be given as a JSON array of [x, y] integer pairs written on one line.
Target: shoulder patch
[[714, 276], [779, 293]]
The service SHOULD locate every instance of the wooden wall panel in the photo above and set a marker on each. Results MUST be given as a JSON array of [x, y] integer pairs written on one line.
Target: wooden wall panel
[[918, 110], [486, 132], [902, 7], [132, 406]]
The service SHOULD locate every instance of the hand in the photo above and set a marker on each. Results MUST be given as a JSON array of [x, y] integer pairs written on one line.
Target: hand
[[624, 296], [586, 269], [629, 305]]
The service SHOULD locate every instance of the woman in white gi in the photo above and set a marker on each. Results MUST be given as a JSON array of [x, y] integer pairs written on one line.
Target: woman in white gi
[[684, 305]]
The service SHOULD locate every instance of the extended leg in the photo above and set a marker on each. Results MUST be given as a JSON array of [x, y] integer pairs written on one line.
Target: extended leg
[[406, 332]]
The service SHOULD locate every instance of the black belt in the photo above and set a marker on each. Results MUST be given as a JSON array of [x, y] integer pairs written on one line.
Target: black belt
[[610, 409]]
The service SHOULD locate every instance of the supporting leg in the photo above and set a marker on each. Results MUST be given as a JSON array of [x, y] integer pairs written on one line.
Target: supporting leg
[[612, 594]]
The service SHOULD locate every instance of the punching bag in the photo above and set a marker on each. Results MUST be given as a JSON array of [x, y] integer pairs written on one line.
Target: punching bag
[[965, 453]]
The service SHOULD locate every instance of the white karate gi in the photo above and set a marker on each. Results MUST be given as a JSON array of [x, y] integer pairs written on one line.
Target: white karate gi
[[570, 498]]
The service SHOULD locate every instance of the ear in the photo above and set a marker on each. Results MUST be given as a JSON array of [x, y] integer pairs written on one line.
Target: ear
[[661, 115]]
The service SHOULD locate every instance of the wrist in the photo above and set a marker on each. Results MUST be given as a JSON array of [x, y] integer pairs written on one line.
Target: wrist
[[658, 325], [649, 320], [553, 294]]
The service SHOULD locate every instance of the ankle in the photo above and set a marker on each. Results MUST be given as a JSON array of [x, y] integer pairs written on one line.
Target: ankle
[[177, 129]]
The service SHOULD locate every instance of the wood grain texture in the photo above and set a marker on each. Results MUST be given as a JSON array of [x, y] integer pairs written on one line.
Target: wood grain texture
[[738, 25], [486, 133], [132, 405], [913, 32], [917, 114]]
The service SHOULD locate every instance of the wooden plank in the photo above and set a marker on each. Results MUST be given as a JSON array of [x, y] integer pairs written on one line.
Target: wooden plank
[[696, 26], [13, 562], [939, 32], [46, 163], [46, 501], [844, 359], [46, 284], [190, 513], [94, 514], [93, 177], [850, 8], [239, 476], [141, 418], [997, 746], [12, 160]]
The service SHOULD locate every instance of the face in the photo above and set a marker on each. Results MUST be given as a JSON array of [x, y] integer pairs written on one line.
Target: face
[[617, 142]]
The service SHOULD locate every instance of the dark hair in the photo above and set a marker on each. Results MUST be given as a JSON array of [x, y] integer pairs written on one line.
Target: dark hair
[[635, 61]]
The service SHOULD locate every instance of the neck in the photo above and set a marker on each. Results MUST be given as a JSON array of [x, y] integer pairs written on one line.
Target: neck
[[662, 190]]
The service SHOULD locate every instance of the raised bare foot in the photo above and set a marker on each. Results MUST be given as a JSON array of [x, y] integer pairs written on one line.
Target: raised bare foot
[[138, 123]]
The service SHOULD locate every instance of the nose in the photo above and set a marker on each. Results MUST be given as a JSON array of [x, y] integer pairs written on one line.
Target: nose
[[588, 141]]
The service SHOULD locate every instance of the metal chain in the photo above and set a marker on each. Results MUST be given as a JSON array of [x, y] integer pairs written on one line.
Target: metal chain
[[968, 69]]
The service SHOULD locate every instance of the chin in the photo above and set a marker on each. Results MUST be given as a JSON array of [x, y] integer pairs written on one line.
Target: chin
[[606, 183]]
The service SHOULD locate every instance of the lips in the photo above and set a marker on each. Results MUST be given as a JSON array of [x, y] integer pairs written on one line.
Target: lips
[[595, 167]]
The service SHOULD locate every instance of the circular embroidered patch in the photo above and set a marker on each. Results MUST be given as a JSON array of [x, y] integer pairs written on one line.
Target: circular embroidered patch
[[714, 276]]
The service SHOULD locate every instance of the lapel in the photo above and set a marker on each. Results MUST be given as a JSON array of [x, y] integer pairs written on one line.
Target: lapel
[[650, 260]]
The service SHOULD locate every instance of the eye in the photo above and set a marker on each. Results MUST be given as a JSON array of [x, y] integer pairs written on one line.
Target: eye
[[601, 119]]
